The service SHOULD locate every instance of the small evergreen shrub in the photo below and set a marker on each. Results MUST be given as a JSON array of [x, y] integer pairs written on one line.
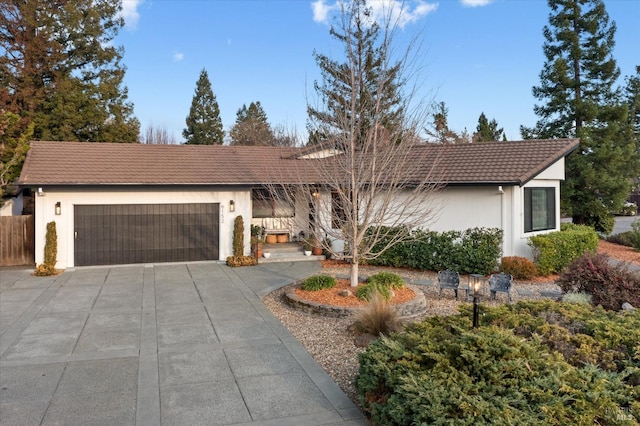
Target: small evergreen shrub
[[238, 237], [609, 285], [365, 291], [241, 261], [48, 267], [377, 317], [520, 267], [635, 235], [387, 279], [318, 282], [475, 250], [555, 250], [623, 238], [529, 363]]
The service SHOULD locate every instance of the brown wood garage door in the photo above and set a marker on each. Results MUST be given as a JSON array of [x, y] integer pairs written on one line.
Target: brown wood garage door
[[145, 233]]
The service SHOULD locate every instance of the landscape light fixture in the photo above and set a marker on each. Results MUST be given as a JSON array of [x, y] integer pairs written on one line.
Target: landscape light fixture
[[58, 209], [476, 307], [232, 206]]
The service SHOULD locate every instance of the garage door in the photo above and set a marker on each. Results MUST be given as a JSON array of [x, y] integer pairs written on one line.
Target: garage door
[[145, 233]]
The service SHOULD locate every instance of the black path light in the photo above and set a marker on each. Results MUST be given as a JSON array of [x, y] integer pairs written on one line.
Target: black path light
[[477, 281]]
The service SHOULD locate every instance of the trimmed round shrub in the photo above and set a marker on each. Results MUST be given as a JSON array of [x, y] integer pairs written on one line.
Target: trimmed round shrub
[[520, 267], [387, 279], [365, 291], [318, 282]]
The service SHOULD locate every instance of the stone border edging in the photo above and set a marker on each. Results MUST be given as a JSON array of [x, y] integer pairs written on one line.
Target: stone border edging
[[416, 306]]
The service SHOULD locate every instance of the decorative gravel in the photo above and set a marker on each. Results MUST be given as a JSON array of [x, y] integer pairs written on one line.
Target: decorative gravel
[[330, 341]]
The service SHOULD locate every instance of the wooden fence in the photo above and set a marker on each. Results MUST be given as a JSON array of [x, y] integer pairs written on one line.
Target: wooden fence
[[17, 240]]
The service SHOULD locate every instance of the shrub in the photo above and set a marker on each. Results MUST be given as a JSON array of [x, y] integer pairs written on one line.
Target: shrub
[[582, 298], [555, 250], [365, 291], [520, 267], [50, 252], [387, 279], [623, 238], [635, 234], [475, 250], [377, 317], [318, 282], [238, 237], [507, 371], [241, 261], [610, 285]]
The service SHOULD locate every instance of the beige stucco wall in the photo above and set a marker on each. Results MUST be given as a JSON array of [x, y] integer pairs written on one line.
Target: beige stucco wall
[[45, 212]]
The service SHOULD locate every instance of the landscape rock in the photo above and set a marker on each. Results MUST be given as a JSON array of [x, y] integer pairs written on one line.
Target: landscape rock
[[345, 293]]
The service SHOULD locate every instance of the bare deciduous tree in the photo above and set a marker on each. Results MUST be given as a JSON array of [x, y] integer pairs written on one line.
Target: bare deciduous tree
[[158, 136], [373, 169]]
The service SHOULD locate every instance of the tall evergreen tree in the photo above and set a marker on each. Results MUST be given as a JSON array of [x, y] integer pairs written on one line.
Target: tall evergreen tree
[[61, 71], [487, 130], [368, 124], [632, 97], [14, 144], [204, 125], [252, 127], [374, 98], [578, 99]]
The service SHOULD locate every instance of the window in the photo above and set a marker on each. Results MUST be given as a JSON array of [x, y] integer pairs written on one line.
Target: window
[[539, 209], [338, 214], [265, 205]]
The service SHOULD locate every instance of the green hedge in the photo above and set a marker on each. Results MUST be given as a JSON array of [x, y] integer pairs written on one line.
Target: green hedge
[[476, 250], [529, 363], [554, 251]]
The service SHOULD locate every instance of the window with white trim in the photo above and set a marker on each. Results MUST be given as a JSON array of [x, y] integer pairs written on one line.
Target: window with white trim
[[539, 209]]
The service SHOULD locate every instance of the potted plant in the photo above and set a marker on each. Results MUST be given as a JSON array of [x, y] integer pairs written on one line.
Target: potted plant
[[307, 248], [256, 241], [316, 248]]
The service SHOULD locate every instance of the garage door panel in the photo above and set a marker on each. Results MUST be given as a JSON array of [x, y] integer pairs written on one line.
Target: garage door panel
[[144, 233]]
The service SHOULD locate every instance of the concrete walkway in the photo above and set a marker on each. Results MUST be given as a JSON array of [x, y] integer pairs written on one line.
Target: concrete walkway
[[170, 344]]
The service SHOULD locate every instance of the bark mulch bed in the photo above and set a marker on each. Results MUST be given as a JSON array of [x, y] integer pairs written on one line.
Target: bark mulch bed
[[332, 296]]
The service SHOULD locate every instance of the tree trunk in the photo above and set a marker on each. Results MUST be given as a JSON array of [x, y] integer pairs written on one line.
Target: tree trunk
[[354, 274]]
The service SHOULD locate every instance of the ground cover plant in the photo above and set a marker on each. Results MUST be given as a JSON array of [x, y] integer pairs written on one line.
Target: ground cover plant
[[529, 363]]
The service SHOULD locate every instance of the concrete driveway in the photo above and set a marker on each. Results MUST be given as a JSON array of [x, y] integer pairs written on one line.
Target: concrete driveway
[[171, 344]]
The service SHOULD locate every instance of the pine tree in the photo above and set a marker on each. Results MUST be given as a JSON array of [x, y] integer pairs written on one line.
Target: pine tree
[[578, 99], [61, 71], [204, 125], [14, 144], [632, 97], [487, 131], [354, 93], [252, 127]]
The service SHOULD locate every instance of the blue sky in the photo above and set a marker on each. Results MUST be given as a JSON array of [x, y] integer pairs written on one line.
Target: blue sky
[[476, 56]]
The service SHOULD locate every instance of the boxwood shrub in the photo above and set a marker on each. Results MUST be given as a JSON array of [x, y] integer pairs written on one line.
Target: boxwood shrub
[[554, 251], [529, 363]]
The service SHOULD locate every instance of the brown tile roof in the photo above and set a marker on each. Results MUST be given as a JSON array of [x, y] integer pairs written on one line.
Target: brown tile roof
[[85, 163]]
